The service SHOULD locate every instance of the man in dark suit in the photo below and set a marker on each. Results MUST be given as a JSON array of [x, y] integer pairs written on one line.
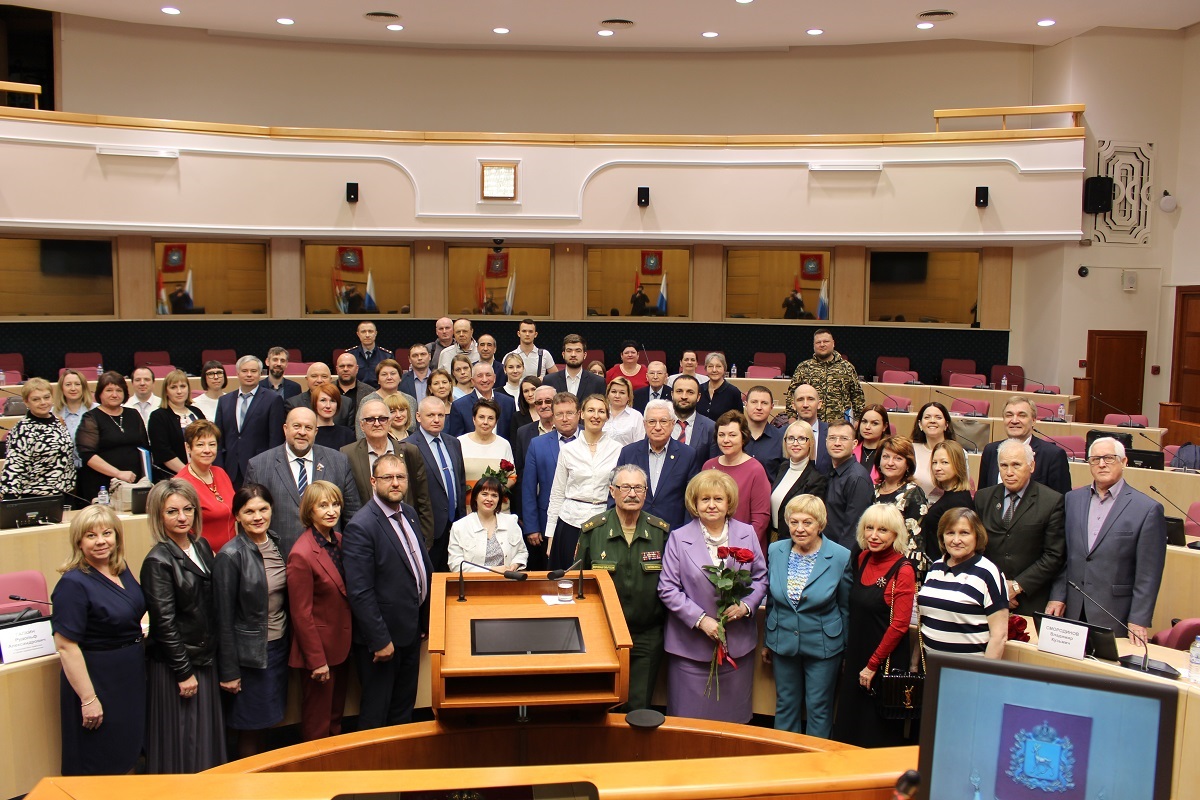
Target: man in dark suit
[[766, 441], [807, 404], [1052, 470], [657, 389], [250, 419], [277, 361], [691, 428], [574, 378], [388, 578], [317, 374], [412, 382], [377, 442], [541, 460], [1024, 523], [669, 464], [288, 469], [442, 458], [1116, 547], [462, 419], [543, 406]]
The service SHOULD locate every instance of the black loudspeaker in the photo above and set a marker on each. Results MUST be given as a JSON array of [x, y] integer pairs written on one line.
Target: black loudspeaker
[[643, 196], [1097, 195], [351, 192], [981, 197]]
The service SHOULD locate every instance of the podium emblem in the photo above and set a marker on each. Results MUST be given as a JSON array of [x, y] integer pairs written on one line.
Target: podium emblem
[[1042, 760]]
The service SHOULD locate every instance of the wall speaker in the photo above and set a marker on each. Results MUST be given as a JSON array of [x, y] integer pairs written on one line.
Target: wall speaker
[[351, 192], [643, 196], [1097, 195], [981, 197]]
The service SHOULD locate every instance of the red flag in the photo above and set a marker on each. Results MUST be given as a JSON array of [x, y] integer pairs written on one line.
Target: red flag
[[480, 294], [637, 280], [796, 281]]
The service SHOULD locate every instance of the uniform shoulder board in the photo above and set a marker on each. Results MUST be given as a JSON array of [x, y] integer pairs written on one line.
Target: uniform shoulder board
[[595, 522], [658, 523], [384, 349]]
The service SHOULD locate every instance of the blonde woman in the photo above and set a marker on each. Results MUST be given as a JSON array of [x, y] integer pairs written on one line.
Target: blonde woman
[[72, 399], [624, 421], [41, 454]]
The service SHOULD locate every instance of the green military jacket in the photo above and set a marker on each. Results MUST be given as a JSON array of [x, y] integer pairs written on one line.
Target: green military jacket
[[634, 568], [836, 383]]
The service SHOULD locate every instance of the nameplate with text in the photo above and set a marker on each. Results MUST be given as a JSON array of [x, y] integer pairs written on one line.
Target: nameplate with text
[[1063, 638], [21, 642]]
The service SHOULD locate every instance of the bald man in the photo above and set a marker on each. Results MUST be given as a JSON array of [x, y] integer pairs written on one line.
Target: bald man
[[316, 375]]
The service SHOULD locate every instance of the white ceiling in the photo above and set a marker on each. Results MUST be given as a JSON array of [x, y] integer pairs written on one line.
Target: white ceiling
[[660, 24]]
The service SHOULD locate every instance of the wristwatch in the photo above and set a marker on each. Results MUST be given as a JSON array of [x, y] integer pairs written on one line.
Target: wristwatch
[[1016, 587]]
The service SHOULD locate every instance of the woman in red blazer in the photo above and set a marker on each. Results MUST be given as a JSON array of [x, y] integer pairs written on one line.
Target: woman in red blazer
[[320, 612]]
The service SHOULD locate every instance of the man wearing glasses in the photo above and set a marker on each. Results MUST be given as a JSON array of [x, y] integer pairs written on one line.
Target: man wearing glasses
[[541, 461], [1116, 547], [668, 463], [628, 543]]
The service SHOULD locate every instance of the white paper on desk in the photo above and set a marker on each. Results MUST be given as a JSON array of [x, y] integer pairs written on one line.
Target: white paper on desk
[[552, 600], [21, 642], [1062, 637]]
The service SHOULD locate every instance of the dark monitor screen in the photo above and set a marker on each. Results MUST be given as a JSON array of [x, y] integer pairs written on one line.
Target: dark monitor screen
[[27, 512], [1013, 731], [1124, 438], [506, 637]]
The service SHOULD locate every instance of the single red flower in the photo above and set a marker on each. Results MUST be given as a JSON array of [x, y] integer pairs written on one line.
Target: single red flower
[[507, 466], [723, 552]]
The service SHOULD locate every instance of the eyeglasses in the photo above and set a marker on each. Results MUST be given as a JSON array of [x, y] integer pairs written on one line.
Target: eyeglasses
[[391, 478], [376, 420], [629, 488], [1107, 460], [543, 402], [214, 373], [565, 414], [659, 423], [796, 439]]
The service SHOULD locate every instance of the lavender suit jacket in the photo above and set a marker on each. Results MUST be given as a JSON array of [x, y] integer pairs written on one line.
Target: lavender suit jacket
[[685, 590]]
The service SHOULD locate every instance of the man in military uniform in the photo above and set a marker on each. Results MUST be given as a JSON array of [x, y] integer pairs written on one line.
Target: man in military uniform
[[834, 378], [628, 543], [367, 354]]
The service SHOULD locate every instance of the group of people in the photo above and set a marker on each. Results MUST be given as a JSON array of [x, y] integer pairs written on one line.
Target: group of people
[[276, 550]]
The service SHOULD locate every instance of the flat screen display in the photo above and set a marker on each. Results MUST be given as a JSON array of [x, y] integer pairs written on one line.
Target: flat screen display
[[1017, 732], [506, 637]]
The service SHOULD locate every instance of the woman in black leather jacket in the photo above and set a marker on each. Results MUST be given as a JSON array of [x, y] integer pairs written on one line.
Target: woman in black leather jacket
[[185, 728], [251, 589]]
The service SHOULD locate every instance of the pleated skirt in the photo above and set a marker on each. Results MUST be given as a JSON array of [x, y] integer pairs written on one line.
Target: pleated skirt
[[183, 735]]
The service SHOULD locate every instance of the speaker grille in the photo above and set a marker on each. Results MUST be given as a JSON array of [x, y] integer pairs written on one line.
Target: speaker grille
[[940, 15]]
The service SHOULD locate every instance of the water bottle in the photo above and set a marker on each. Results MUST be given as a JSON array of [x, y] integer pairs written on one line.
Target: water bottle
[[1004, 382], [1194, 661], [102, 500], [99, 371], [733, 371], [3, 378], [1062, 412]]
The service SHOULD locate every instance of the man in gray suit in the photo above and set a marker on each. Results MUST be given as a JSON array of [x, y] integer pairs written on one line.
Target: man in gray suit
[[288, 469], [1116, 547], [1024, 523]]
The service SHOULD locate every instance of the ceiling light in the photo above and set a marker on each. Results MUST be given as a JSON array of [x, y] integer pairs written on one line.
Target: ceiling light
[[744, 2], [1045, 23], [395, 27], [814, 31], [924, 26], [501, 31], [286, 21], [170, 10], [605, 32], [710, 34]]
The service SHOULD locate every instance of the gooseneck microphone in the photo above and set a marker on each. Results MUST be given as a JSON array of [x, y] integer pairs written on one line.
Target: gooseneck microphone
[[1128, 423], [887, 398], [1043, 390], [510, 574], [29, 600], [916, 379], [1142, 663], [974, 412], [1056, 443], [1174, 505], [558, 574]]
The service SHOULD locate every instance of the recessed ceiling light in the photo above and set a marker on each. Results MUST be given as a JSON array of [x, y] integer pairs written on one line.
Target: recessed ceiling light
[[605, 32], [710, 34], [744, 2], [286, 21], [170, 10], [924, 26], [814, 31], [395, 27], [1045, 23], [500, 30]]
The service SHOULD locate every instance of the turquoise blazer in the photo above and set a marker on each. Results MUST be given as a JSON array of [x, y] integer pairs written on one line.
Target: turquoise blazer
[[818, 628]]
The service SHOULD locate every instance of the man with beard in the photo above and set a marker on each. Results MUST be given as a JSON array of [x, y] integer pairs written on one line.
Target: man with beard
[[575, 379], [691, 428]]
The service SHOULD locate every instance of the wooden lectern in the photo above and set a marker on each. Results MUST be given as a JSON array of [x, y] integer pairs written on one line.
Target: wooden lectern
[[505, 647]]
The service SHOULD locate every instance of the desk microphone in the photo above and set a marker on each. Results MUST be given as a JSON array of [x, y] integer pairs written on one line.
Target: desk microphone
[[1028, 380], [1129, 423], [511, 574], [29, 600], [974, 412], [958, 437], [1055, 442], [887, 398], [558, 574], [1151, 441], [1141, 663], [916, 379], [1188, 516]]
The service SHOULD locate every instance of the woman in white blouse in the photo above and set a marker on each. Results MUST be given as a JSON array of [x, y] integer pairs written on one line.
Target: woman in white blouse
[[482, 448], [213, 380], [580, 488], [485, 536], [797, 475], [624, 421], [72, 400]]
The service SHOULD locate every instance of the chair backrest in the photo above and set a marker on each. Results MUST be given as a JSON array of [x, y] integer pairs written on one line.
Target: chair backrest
[[595, 355], [27, 583], [778, 360], [896, 376], [953, 365], [294, 354], [1053, 388], [1014, 373], [967, 380], [1076, 446], [11, 376], [646, 356], [1191, 528], [295, 368], [755, 371], [1046, 412], [897, 403], [161, 370], [960, 406], [12, 362], [1117, 419], [151, 358], [886, 363], [224, 356], [82, 361], [1180, 635]]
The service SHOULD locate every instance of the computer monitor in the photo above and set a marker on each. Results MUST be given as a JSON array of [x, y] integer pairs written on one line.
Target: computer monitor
[[1146, 459], [1124, 438], [26, 512], [1006, 730]]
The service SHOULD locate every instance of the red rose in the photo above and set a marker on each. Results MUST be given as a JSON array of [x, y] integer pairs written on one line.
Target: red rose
[[741, 555], [1016, 629], [723, 552], [507, 466]]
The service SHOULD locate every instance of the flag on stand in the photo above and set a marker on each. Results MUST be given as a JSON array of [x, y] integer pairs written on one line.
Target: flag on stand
[[637, 280], [163, 306], [796, 281], [339, 293], [480, 292], [823, 301], [510, 295], [662, 297], [187, 287], [369, 301]]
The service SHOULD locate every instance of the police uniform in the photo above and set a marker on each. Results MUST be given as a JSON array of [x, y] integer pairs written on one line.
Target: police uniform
[[634, 569], [368, 364]]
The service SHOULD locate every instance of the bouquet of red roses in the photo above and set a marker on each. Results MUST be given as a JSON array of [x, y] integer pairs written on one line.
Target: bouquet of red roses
[[732, 585], [504, 474]]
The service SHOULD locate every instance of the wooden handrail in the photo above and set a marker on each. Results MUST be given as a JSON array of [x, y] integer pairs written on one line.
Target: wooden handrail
[[22, 88], [1004, 112]]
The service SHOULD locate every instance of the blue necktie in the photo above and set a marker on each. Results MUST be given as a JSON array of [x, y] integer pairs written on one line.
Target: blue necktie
[[246, 397], [302, 480], [447, 476]]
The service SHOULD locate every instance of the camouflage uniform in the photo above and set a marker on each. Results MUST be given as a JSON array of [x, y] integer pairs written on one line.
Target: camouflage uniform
[[836, 382]]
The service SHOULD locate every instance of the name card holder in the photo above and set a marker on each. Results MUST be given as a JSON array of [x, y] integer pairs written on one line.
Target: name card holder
[[26, 640], [1062, 637]]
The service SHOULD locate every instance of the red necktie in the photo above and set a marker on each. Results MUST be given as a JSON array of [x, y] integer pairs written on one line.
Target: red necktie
[[682, 431]]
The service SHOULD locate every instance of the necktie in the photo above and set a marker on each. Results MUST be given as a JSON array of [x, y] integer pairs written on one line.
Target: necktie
[[1011, 507], [565, 439], [414, 561], [447, 476], [243, 408], [682, 431], [302, 480]]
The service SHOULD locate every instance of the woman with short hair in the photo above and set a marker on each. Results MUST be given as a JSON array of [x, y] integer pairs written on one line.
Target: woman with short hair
[[624, 421], [440, 385], [754, 489], [483, 448], [797, 475], [403, 417], [628, 367], [486, 536], [326, 401], [213, 485], [718, 395], [213, 380], [41, 454], [514, 370], [896, 464]]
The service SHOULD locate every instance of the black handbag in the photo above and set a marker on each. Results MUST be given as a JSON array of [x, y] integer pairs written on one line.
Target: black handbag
[[900, 693]]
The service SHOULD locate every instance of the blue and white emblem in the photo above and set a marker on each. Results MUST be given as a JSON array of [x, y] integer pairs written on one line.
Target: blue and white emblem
[[1042, 760]]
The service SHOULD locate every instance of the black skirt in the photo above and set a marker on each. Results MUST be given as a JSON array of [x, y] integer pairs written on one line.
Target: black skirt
[[184, 735], [119, 680]]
